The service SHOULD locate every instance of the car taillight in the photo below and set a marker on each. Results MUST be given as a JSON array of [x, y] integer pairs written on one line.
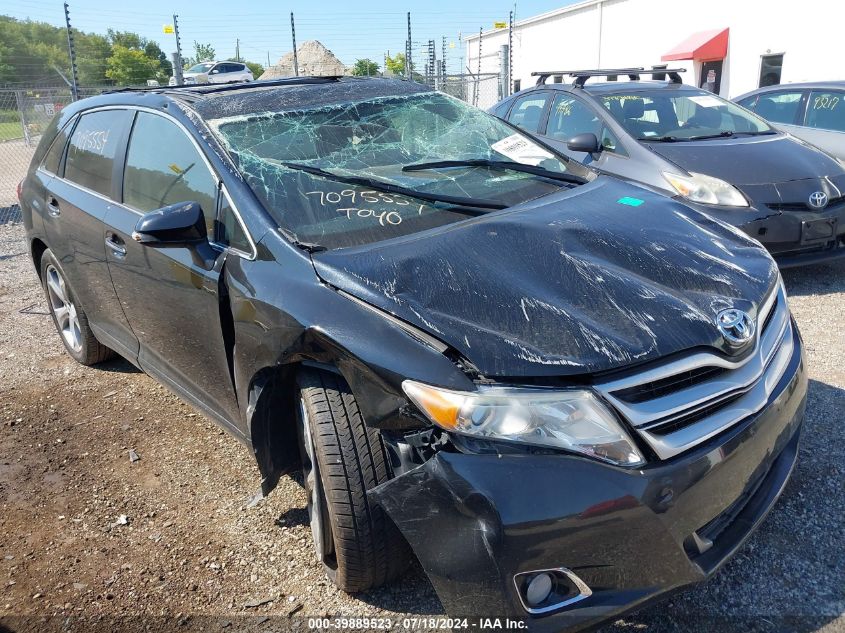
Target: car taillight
[[20, 188]]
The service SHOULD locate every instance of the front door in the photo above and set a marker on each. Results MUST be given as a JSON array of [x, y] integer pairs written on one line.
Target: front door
[[171, 300], [568, 117]]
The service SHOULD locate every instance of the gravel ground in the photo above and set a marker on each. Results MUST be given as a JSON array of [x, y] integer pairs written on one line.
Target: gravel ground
[[84, 533]]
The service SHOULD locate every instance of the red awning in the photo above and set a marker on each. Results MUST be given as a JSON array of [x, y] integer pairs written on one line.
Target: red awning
[[704, 45]]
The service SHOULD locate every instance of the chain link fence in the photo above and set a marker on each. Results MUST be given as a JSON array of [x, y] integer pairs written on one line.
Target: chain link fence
[[26, 113]]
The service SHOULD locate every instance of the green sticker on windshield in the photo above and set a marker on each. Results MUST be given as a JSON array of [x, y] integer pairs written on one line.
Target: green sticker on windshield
[[631, 202]]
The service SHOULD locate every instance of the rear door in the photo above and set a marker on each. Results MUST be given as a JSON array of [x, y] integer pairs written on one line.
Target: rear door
[[824, 122], [530, 110], [171, 300], [78, 199]]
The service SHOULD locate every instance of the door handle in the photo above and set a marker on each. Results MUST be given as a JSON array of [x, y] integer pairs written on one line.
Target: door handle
[[116, 244], [53, 207]]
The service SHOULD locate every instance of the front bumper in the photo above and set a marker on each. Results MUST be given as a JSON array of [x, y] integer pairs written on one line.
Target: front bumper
[[783, 233], [474, 521]]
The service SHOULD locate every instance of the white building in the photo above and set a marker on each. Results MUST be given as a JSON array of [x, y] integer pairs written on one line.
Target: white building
[[741, 44]]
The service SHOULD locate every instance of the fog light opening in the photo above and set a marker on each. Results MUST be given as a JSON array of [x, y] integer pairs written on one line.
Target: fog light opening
[[545, 590]]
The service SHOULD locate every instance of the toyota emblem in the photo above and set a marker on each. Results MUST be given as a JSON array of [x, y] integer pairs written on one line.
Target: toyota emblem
[[817, 200], [735, 326]]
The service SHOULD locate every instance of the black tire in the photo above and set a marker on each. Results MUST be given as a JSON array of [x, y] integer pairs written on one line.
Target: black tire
[[363, 548], [81, 344]]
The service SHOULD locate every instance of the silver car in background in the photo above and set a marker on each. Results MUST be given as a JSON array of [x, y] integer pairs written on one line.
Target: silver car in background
[[814, 112], [216, 73]]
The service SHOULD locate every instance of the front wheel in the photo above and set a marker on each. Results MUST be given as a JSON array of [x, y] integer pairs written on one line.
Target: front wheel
[[356, 542], [68, 316]]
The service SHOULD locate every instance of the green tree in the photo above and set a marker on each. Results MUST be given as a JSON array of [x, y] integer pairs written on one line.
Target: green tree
[[126, 39], [366, 68], [165, 68], [128, 66], [396, 64], [202, 53]]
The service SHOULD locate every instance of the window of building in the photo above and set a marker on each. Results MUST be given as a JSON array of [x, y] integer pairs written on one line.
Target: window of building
[[558, 79], [517, 85], [158, 175], [527, 111], [826, 110], [93, 147], [770, 69]]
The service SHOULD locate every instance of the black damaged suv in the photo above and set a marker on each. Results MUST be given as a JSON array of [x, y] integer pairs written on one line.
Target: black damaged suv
[[565, 394]]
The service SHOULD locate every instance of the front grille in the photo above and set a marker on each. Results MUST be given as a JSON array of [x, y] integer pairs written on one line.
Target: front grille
[[677, 405], [804, 206]]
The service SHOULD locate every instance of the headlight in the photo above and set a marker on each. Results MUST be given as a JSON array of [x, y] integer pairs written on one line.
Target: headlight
[[706, 189], [573, 420]]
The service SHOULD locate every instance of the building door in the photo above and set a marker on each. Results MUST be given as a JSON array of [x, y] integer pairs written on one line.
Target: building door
[[711, 76]]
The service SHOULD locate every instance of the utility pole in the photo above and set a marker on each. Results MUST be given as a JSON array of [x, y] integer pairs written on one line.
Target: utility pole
[[177, 62], [443, 61], [74, 89], [237, 49], [478, 72], [408, 64], [268, 59], [510, 54], [293, 38]]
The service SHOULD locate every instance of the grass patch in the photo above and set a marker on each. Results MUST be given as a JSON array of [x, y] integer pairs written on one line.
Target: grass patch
[[9, 130]]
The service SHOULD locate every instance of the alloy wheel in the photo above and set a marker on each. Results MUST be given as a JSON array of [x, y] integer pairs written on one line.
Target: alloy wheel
[[63, 309]]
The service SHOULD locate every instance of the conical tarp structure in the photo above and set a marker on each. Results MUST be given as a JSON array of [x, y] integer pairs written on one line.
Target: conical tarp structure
[[314, 59]]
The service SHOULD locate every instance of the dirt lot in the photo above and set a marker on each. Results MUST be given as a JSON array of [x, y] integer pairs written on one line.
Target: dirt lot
[[170, 542]]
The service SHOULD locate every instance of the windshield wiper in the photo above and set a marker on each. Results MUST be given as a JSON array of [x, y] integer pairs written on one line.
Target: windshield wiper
[[497, 164], [469, 203], [703, 137], [659, 139]]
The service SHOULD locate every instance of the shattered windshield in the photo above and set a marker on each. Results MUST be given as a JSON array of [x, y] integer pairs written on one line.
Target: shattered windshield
[[353, 173], [660, 116]]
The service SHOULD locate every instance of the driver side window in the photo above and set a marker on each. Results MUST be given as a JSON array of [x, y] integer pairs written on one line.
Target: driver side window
[[163, 167], [570, 117]]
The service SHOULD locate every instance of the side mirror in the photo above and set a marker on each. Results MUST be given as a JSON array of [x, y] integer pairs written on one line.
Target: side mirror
[[214, 72], [180, 225], [585, 142]]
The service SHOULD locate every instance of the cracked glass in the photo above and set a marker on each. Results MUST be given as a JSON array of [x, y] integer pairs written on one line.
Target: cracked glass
[[347, 174]]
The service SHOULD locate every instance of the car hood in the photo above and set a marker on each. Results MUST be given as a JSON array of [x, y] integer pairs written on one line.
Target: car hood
[[750, 160], [572, 283]]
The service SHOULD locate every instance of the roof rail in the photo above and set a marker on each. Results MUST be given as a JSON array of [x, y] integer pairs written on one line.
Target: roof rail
[[203, 89], [581, 76]]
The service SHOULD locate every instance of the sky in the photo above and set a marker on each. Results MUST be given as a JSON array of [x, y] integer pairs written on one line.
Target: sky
[[351, 30]]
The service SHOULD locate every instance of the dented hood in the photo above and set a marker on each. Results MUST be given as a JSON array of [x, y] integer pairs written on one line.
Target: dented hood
[[572, 283], [750, 160]]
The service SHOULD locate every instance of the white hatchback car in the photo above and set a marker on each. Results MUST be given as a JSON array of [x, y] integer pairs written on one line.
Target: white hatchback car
[[216, 73]]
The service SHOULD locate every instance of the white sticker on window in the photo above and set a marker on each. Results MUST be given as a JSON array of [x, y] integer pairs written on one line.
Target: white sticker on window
[[706, 101], [519, 149]]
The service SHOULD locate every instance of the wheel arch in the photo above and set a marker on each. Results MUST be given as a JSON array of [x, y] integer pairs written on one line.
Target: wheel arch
[[36, 249]]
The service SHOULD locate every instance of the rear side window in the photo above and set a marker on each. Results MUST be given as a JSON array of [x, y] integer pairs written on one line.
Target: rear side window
[[53, 158], [779, 107], [826, 110], [93, 147], [527, 111], [159, 174]]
